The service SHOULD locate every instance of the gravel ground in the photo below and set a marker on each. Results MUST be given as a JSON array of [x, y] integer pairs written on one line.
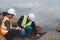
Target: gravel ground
[[51, 36]]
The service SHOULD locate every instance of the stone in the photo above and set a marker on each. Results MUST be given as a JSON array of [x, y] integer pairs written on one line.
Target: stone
[[58, 27]]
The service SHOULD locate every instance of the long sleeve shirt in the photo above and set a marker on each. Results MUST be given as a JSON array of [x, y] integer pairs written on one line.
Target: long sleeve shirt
[[7, 24]]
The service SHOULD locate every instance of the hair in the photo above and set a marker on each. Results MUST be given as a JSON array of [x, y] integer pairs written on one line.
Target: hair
[[5, 13]]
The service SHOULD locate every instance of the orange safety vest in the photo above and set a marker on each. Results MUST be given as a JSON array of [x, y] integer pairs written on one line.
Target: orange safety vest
[[4, 29]]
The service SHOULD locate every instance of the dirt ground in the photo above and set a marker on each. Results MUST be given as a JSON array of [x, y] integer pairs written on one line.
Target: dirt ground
[[2, 38], [48, 36]]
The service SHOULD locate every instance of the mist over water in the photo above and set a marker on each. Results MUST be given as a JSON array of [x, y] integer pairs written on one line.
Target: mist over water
[[47, 11]]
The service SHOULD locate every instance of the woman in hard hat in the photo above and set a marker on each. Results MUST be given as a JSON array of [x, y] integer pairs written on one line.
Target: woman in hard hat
[[27, 25], [6, 26]]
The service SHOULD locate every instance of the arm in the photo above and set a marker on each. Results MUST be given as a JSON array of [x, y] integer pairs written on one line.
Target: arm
[[34, 27], [20, 21], [7, 24]]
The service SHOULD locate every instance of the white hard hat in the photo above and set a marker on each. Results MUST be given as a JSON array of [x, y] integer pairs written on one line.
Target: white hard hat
[[11, 11], [31, 16]]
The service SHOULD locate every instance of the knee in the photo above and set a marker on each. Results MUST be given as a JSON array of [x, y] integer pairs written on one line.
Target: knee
[[29, 28], [22, 33]]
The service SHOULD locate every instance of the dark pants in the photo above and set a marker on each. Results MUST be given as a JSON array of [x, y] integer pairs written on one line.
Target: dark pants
[[28, 31], [11, 34]]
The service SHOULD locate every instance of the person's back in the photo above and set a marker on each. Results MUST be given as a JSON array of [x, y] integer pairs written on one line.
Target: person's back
[[2, 14]]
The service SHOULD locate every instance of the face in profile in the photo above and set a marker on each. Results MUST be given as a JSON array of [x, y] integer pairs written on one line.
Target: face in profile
[[10, 15], [29, 18]]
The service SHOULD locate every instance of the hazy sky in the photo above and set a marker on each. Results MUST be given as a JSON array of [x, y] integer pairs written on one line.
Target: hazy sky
[[47, 11]]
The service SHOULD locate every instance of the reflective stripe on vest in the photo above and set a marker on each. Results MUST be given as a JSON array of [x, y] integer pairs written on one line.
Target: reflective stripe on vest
[[28, 24], [4, 29], [24, 22]]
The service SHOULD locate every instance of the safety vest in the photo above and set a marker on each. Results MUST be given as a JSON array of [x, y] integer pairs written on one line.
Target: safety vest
[[4, 29], [24, 22]]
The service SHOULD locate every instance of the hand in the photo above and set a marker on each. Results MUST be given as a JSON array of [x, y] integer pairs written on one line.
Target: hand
[[17, 28], [23, 30]]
